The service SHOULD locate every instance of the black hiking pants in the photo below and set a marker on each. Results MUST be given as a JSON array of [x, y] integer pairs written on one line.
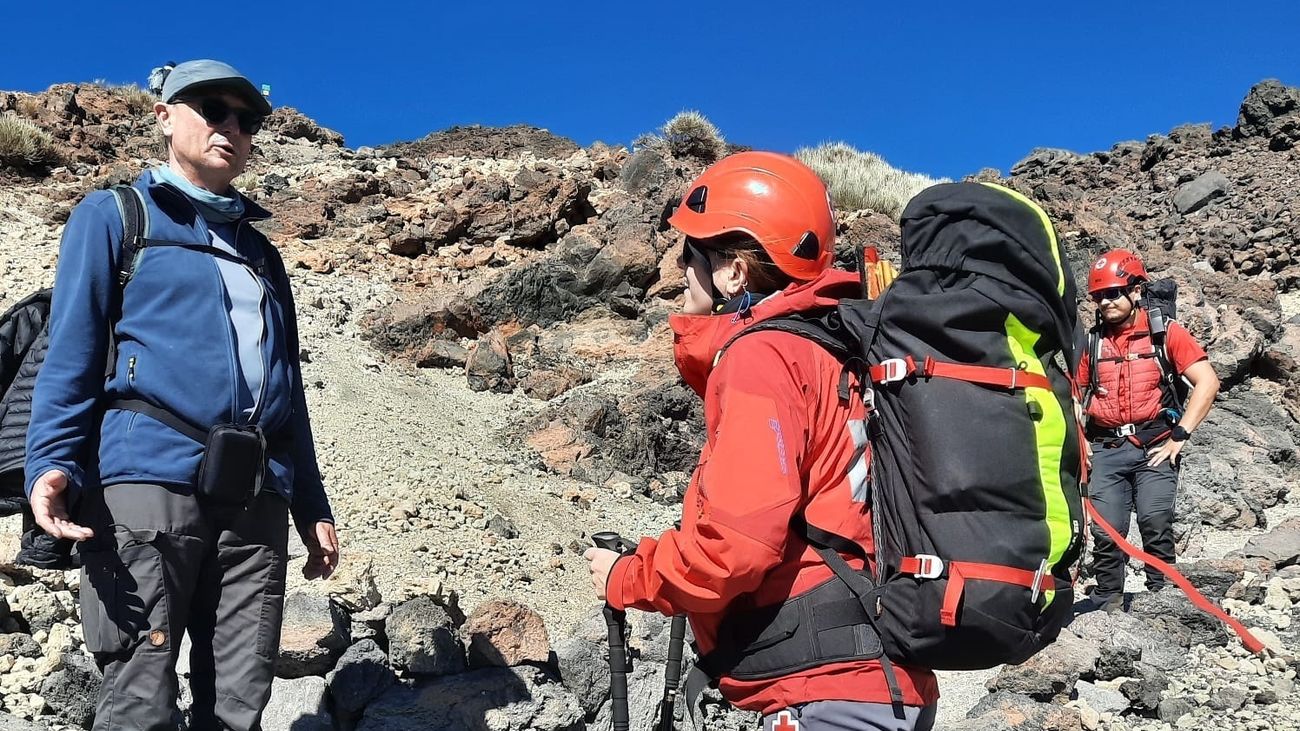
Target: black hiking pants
[[162, 564], [1122, 484]]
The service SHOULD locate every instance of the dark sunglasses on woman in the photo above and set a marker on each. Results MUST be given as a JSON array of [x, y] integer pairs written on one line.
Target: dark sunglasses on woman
[[692, 250], [215, 110]]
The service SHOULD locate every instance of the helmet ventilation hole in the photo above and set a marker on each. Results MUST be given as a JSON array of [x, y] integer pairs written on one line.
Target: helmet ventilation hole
[[809, 247], [696, 200]]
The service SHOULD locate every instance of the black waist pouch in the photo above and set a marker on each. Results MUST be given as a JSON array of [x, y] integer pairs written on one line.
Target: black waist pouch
[[233, 466]]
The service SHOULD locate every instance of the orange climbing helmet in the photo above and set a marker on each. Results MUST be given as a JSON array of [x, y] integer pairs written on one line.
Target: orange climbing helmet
[[774, 198], [1116, 268]]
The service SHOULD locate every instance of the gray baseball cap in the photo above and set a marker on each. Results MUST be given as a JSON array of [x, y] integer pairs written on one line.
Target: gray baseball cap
[[208, 74]]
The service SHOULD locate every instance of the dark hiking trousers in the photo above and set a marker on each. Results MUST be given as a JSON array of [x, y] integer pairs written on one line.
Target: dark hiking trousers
[[1121, 483], [849, 716], [161, 564]]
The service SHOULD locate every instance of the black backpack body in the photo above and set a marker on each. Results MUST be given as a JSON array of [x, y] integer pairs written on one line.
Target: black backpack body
[[976, 453], [973, 445]]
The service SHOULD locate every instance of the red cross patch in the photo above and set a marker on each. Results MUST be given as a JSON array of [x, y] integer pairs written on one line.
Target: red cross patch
[[785, 723]]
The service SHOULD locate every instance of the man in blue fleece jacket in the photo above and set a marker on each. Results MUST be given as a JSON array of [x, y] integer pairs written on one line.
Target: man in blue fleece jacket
[[202, 334]]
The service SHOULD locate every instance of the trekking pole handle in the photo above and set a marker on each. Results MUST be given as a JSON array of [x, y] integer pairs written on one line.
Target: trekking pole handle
[[611, 541]]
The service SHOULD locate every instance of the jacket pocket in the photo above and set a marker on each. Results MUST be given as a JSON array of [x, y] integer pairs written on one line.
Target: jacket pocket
[[124, 596]]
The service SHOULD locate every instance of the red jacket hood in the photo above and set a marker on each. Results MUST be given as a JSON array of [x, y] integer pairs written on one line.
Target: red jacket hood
[[697, 339]]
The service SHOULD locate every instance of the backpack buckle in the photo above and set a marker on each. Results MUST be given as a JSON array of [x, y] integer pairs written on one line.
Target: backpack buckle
[[1038, 582], [1126, 430], [928, 566], [895, 369]]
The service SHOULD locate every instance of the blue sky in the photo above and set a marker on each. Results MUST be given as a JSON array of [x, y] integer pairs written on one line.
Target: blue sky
[[944, 88]]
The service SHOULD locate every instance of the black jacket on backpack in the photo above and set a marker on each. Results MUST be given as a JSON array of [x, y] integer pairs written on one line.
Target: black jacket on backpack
[[23, 342]]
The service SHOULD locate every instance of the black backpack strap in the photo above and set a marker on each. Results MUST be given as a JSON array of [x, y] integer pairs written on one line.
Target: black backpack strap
[[773, 642], [829, 546], [136, 238], [1094, 358], [828, 329], [135, 230], [813, 327], [162, 415], [135, 227], [1159, 329]]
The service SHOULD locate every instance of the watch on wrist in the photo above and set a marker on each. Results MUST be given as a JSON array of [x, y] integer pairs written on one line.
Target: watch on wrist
[[1179, 434]]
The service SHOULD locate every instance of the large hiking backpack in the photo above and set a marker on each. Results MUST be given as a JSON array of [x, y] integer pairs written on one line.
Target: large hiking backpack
[[1159, 298], [971, 442], [975, 450], [23, 342]]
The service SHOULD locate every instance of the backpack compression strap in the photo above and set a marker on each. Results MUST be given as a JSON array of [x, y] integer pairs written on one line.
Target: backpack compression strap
[[897, 369], [958, 572], [1198, 599]]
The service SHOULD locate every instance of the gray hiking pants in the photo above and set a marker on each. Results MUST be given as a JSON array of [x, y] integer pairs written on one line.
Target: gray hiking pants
[[161, 564], [850, 716], [1121, 484]]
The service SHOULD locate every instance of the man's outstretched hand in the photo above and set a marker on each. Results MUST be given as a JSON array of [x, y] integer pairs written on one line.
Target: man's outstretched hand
[[50, 507]]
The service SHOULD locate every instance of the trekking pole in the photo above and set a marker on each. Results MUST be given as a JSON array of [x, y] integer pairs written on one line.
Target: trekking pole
[[616, 623], [672, 671]]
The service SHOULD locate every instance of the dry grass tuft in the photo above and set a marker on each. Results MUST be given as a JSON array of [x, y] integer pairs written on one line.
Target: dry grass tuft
[[691, 134], [138, 100], [25, 146], [688, 134], [863, 180]]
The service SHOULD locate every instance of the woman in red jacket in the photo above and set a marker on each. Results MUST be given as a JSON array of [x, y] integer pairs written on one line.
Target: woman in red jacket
[[781, 448]]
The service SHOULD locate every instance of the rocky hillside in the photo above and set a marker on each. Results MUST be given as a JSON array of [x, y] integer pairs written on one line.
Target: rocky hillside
[[490, 377]]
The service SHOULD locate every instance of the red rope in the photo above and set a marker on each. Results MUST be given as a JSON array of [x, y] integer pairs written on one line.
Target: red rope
[[1197, 598]]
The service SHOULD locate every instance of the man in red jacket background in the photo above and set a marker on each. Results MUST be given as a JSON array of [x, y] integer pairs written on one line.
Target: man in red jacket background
[[1136, 427]]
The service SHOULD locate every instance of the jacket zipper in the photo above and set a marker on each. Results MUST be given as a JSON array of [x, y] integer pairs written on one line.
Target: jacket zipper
[[230, 326], [232, 349], [261, 339], [130, 370]]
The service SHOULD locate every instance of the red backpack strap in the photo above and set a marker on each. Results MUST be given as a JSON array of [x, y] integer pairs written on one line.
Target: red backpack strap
[[897, 369], [958, 572]]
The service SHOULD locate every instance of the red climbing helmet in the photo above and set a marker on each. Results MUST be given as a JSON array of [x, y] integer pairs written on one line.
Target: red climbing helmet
[[774, 198], [1116, 268]]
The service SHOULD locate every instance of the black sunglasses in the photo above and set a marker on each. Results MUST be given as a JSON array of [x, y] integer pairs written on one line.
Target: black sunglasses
[[693, 249], [215, 110], [1112, 294]]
